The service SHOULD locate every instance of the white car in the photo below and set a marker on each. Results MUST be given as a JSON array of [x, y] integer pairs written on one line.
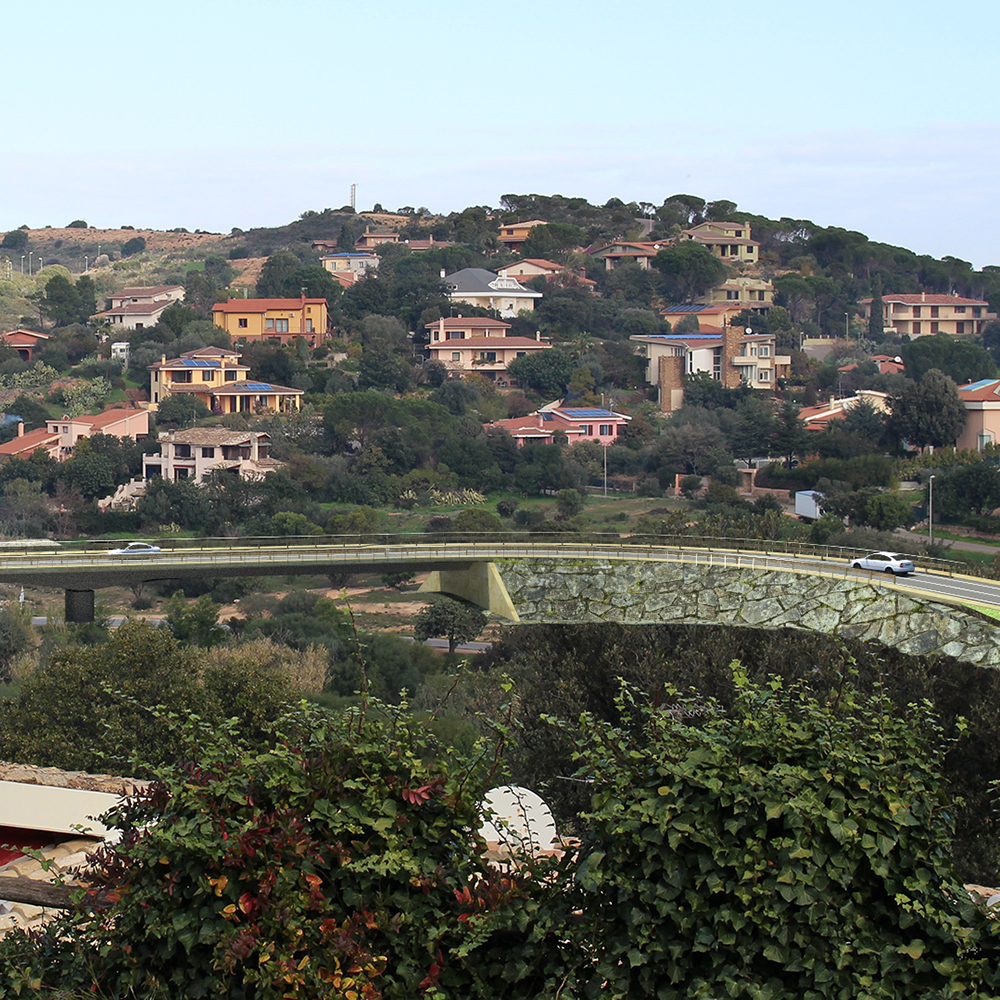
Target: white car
[[136, 549], [885, 562]]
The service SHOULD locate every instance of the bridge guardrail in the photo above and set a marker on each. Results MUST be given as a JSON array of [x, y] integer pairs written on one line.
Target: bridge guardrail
[[387, 539]]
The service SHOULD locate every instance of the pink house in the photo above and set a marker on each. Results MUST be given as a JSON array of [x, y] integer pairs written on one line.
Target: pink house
[[59, 437], [577, 423]]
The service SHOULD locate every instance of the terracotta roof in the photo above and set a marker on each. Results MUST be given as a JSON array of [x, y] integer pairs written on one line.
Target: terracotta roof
[[138, 308], [981, 391], [927, 299], [148, 291], [468, 322], [29, 442], [109, 417], [264, 305], [21, 333], [538, 262]]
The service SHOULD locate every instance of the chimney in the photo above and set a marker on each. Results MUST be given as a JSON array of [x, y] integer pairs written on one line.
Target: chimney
[[254, 447], [442, 272], [923, 296], [833, 402], [20, 428]]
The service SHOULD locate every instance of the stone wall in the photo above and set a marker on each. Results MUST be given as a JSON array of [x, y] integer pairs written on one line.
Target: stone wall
[[653, 593]]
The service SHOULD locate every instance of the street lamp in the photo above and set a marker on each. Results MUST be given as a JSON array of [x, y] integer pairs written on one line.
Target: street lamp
[[86, 265], [605, 470], [847, 326], [31, 253], [22, 263], [930, 511]]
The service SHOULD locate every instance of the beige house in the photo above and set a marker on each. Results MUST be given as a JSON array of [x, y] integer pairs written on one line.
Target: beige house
[[351, 263], [193, 454], [924, 313], [515, 233], [628, 250], [748, 293], [136, 308], [724, 353], [478, 344], [729, 240]]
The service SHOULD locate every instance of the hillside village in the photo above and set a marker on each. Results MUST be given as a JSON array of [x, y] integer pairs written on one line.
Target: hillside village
[[646, 345], [684, 373]]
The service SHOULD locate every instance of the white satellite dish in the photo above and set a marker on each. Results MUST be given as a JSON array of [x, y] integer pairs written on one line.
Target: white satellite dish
[[518, 820]]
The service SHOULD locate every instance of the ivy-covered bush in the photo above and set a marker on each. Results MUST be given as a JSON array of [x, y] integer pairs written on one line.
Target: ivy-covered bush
[[784, 850]]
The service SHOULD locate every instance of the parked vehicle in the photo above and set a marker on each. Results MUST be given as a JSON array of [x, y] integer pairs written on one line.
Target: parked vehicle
[[807, 505], [885, 562]]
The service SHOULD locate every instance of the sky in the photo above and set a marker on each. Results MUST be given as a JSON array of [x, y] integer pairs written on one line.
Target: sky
[[879, 116]]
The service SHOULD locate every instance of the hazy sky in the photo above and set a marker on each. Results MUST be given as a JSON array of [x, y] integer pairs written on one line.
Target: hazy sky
[[879, 116]]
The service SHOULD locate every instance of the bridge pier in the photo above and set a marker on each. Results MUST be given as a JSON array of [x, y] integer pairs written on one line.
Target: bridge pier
[[79, 606], [479, 584]]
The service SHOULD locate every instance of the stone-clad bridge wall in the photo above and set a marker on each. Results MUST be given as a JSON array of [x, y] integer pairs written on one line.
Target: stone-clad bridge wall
[[652, 593]]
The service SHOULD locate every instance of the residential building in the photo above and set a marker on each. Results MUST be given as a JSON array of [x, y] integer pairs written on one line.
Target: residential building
[[478, 345], [58, 438], [535, 267], [756, 294], [725, 354], [819, 417], [479, 287], [26, 342], [924, 313], [368, 239], [513, 234], [729, 240], [356, 264], [594, 424], [193, 454], [136, 308], [627, 250], [217, 379], [711, 317], [279, 320], [982, 414]]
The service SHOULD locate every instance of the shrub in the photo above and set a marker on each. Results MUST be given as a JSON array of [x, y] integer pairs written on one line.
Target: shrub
[[133, 246]]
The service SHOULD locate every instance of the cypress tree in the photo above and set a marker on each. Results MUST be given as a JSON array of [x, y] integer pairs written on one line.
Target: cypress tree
[[876, 318]]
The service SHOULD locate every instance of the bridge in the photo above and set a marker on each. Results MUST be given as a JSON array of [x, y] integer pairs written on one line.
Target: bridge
[[565, 580]]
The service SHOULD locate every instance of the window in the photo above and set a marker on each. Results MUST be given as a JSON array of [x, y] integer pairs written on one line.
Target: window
[[977, 311], [960, 309], [208, 453], [587, 429], [179, 377], [934, 312], [231, 376], [959, 327], [607, 430], [764, 375], [456, 355], [733, 295], [934, 327], [269, 324], [207, 376], [488, 356], [739, 234], [242, 323], [521, 354], [916, 329], [454, 335], [281, 326], [182, 451], [764, 352], [916, 310], [309, 326]]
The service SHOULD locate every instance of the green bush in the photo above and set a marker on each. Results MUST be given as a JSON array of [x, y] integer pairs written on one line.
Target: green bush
[[785, 849]]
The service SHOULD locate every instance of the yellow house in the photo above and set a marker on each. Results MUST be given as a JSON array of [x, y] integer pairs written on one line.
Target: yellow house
[[923, 313], [515, 233], [217, 379], [750, 293], [279, 320]]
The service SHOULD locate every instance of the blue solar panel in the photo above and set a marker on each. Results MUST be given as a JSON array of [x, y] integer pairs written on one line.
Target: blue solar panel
[[685, 309], [259, 386], [192, 363], [981, 384], [585, 413]]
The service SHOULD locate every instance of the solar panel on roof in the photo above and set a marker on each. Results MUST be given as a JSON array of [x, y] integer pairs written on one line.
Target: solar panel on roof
[[259, 386], [587, 412], [195, 363]]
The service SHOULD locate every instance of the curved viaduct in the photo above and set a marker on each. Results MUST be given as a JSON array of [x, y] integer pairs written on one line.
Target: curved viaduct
[[572, 583]]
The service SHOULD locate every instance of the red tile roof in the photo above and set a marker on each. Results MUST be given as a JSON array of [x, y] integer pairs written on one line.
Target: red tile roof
[[494, 342], [29, 442], [927, 299], [468, 323], [264, 305]]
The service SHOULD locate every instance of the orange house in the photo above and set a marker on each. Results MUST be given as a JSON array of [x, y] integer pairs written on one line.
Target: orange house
[[280, 320]]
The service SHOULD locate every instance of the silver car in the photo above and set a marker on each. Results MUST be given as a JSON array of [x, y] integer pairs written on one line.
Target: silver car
[[885, 562], [135, 549]]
